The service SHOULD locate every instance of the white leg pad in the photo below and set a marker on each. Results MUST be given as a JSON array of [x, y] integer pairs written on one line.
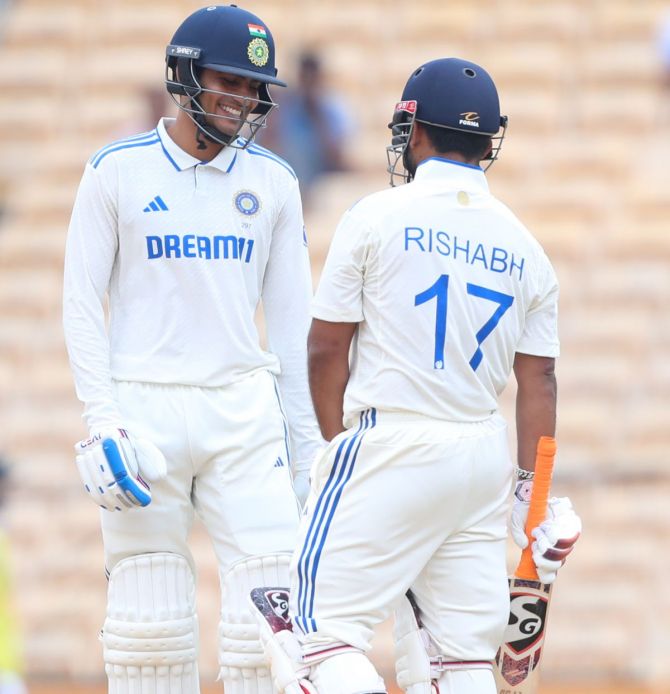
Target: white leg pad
[[420, 667], [150, 636], [412, 646], [346, 673], [244, 665], [468, 681]]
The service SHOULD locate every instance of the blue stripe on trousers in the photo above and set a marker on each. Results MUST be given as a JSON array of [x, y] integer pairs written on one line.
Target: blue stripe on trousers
[[323, 515]]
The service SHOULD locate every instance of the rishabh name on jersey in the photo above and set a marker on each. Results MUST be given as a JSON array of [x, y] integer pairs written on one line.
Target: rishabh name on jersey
[[194, 244], [447, 286]]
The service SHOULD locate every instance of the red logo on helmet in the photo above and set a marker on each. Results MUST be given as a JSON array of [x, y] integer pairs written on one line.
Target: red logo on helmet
[[409, 106]]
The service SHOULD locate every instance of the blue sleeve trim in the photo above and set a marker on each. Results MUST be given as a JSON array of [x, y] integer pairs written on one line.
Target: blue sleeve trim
[[124, 140], [96, 161], [262, 152]]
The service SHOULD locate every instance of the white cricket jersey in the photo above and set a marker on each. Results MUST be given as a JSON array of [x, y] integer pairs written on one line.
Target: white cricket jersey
[[446, 285], [186, 250]]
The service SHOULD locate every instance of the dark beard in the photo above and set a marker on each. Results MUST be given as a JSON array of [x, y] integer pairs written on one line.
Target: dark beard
[[409, 163]]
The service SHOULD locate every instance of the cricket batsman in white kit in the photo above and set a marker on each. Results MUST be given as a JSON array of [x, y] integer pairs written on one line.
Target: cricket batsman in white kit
[[432, 293], [185, 229]]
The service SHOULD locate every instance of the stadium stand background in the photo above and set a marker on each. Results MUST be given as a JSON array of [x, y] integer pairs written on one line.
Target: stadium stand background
[[584, 166]]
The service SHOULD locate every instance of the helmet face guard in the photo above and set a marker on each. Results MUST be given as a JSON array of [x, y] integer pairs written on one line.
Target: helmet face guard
[[182, 79], [230, 40], [401, 125], [447, 93]]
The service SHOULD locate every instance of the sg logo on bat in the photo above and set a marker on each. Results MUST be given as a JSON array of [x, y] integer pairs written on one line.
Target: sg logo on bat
[[524, 636], [526, 620]]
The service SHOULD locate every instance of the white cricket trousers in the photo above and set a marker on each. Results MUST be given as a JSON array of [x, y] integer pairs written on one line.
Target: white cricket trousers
[[406, 502], [227, 460]]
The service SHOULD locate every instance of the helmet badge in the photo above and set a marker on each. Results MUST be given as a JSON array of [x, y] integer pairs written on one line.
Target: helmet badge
[[258, 52]]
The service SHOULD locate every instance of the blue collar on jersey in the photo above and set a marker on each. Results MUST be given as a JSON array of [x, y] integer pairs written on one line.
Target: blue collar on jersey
[[448, 172], [181, 160]]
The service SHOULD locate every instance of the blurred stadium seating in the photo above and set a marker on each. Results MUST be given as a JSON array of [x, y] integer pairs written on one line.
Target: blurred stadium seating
[[584, 167]]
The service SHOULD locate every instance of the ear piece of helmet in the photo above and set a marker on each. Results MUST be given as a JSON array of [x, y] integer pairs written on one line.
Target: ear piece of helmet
[[401, 126], [180, 78], [402, 121]]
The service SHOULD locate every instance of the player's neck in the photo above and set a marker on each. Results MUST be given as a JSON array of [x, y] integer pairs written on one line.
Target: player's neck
[[457, 156], [451, 156], [185, 134]]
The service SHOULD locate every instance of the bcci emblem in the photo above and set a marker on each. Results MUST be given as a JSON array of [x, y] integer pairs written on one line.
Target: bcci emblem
[[258, 52], [247, 203]]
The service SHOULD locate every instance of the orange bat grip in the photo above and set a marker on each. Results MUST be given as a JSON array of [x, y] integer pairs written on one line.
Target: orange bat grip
[[544, 467]]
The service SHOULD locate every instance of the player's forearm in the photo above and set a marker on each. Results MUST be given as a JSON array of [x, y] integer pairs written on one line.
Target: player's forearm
[[287, 339], [304, 431], [328, 362], [90, 252], [328, 377], [88, 348], [535, 405]]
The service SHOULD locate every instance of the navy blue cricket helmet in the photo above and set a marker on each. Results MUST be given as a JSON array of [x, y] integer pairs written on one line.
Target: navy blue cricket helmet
[[448, 93], [227, 39]]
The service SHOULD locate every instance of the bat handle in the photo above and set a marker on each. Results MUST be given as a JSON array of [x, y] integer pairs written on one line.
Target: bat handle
[[537, 511]]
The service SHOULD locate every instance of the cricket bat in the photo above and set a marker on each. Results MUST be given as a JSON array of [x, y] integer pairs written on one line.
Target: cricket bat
[[517, 662]]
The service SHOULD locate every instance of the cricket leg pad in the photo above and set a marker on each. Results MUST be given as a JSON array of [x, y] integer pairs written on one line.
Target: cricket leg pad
[[269, 605], [420, 666], [346, 673], [150, 635], [245, 669], [467, 680], [413, 650]]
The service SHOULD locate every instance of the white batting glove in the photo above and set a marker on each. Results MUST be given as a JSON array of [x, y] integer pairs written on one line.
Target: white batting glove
[[555, 537], [522, 493], [116, 468]]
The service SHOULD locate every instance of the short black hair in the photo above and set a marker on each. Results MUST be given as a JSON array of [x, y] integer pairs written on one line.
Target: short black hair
[[470, 145]]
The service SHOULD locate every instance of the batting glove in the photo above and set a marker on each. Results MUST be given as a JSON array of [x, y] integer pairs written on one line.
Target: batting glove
[[116, 469], [522, 492], [555, 537]]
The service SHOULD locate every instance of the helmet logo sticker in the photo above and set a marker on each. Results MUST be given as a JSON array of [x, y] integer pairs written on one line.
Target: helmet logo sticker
[[258, 52], [469, 118], [247, 203], [409, 106], [257, 30]]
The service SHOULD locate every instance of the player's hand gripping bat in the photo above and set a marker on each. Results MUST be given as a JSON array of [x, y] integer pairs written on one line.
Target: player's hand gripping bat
[[517, 661]]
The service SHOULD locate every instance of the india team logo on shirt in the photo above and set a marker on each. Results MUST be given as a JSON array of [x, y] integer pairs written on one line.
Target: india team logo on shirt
[[247, 203]]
